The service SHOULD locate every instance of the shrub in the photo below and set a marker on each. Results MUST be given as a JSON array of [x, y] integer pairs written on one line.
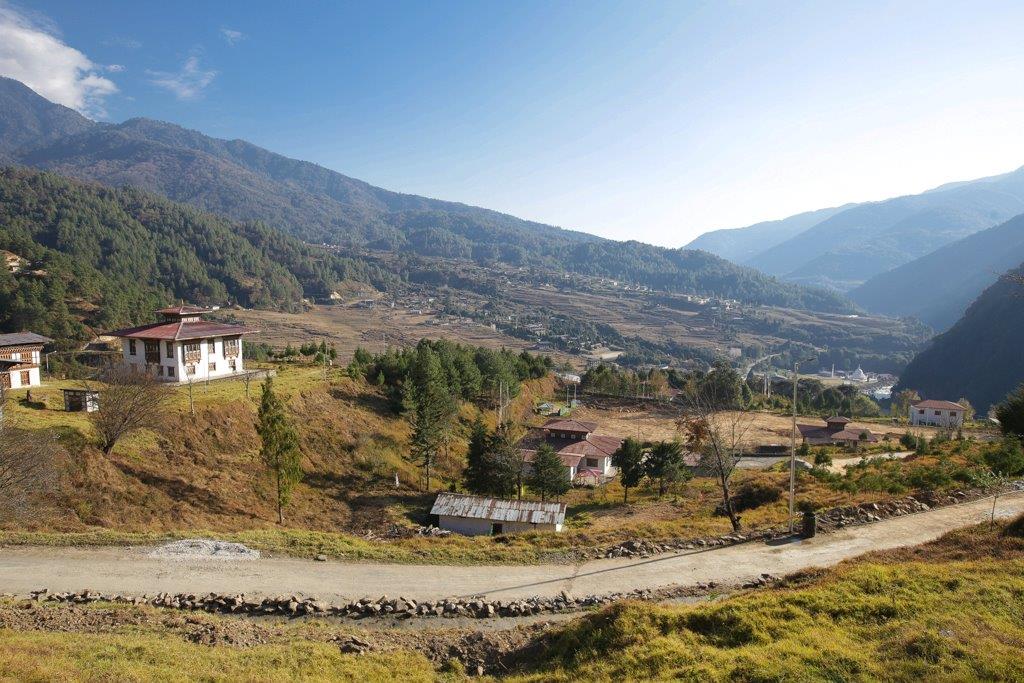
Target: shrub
[[753, 494], [909, 441], [822, 459], [1006, 457]]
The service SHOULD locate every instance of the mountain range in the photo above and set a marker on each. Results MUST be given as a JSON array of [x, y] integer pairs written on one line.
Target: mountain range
[[852, 244], [938, 287], [980, 356], [245, 182]]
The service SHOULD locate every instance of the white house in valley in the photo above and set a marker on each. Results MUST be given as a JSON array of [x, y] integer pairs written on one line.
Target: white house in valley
[[937, 414], [20, 356], [183, 347]]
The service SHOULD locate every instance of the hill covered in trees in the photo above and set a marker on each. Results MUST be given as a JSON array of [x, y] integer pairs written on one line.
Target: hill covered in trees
[[245, 182], [938, 288], [980, 356], [102, 258]]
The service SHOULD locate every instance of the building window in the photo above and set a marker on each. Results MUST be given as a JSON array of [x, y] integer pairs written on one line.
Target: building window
[[26, 378], [160, 371], [938, 412], [232, 365], [170, 349], [193, 352], [213, 366], [591, 462], [921, 411], [131, 347], [190, 370], [230, 347], [212, 346], [16, 356], [170, 372]]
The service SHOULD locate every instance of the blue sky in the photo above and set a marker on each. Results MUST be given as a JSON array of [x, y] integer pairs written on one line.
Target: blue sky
[[650, 120]]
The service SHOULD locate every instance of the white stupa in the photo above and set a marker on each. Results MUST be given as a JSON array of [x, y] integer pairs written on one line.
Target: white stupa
[[858, 375]]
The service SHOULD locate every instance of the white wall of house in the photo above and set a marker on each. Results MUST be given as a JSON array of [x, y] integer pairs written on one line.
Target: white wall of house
[[474, 526], [17, 381], [936, 417], [205, 358]]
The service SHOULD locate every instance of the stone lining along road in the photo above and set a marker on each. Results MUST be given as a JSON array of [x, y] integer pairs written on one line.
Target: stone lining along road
[[132, 570]]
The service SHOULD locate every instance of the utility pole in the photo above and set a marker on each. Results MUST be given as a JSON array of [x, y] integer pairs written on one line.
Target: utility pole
[[792, 444]]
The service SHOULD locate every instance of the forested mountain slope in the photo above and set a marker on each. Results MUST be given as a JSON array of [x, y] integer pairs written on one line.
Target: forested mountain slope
[[981, 356], [740, 244], [102, 258], [867, 239], [246, 182], [938, 288]]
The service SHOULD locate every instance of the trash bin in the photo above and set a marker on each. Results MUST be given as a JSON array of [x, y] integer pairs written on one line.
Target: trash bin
[[810, 525]]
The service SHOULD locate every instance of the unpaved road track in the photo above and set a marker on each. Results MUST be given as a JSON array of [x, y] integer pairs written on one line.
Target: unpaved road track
[[129, 570]]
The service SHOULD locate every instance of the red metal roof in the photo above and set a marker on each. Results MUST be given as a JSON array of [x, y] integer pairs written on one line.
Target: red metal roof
[[593, 446], [938, 405], [498, 509], [838, 418], [568, 459], [184, 310], [570, 426], [183, 330]]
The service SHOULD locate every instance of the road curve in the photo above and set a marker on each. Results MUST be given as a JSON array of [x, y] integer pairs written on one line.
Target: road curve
[[130, 570]]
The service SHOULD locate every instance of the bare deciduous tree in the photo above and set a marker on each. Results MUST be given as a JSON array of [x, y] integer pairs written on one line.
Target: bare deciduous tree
[[719, 433], [28, 465], [129, 402]]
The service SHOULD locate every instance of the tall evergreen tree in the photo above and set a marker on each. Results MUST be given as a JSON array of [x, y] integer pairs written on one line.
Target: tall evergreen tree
[[280, 446], [664, 463], [548, 477], [478, 469], [629, 460], [433, 409]]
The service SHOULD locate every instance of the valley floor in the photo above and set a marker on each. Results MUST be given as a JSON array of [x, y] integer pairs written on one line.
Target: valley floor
[[131, 570]]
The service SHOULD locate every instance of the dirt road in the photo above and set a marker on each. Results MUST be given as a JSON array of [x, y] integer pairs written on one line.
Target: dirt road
[[129, 570]]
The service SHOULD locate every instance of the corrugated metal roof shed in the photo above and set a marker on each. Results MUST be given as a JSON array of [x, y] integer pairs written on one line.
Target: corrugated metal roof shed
[[497, 509]]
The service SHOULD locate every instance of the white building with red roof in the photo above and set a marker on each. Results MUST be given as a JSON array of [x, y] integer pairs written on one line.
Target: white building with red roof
[[183, 347], [587, 456], [935, 413]]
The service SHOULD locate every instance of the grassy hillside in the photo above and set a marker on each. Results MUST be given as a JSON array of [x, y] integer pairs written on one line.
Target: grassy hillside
[[947, 610], [938, 288], [101, 258], [980, 356]]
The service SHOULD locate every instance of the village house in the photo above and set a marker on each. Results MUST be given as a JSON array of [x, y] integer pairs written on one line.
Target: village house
[[183, 347], [586, 456], [20, 356], [935, 413], [836, 432], [480, 516]]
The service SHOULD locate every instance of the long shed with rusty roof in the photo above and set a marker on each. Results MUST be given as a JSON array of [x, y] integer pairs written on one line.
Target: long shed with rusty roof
[[481, 516]]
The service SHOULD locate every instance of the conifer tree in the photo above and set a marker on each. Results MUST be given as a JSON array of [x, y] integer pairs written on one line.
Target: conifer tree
[[478, 469], [548, 477], [629, 460], [433, 409], [664, 463], [280, 446]]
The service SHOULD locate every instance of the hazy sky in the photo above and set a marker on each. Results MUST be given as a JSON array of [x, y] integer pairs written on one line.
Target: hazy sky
[[633, 120]]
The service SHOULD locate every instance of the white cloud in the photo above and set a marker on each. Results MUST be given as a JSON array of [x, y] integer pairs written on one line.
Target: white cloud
[[31, 52], [232, 36], [114, 68], [186, 83]]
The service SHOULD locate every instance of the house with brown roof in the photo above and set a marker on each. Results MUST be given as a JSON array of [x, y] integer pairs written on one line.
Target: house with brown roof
[[836, 432], [20, 357], [183, 347], [587, 456], [935, 413]]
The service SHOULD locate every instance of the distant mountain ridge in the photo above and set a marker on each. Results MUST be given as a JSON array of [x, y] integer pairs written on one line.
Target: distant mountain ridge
[[938, 287], [858, 242], [740, 244], [245, 182], [980, 356]]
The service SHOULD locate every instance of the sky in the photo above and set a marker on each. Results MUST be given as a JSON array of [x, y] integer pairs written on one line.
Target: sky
[[646, 120]]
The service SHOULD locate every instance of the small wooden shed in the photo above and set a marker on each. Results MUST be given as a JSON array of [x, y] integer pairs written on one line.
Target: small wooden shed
[[79, 400]]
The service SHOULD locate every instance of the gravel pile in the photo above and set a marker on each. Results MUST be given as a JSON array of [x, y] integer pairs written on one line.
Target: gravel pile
[[201, 548]]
